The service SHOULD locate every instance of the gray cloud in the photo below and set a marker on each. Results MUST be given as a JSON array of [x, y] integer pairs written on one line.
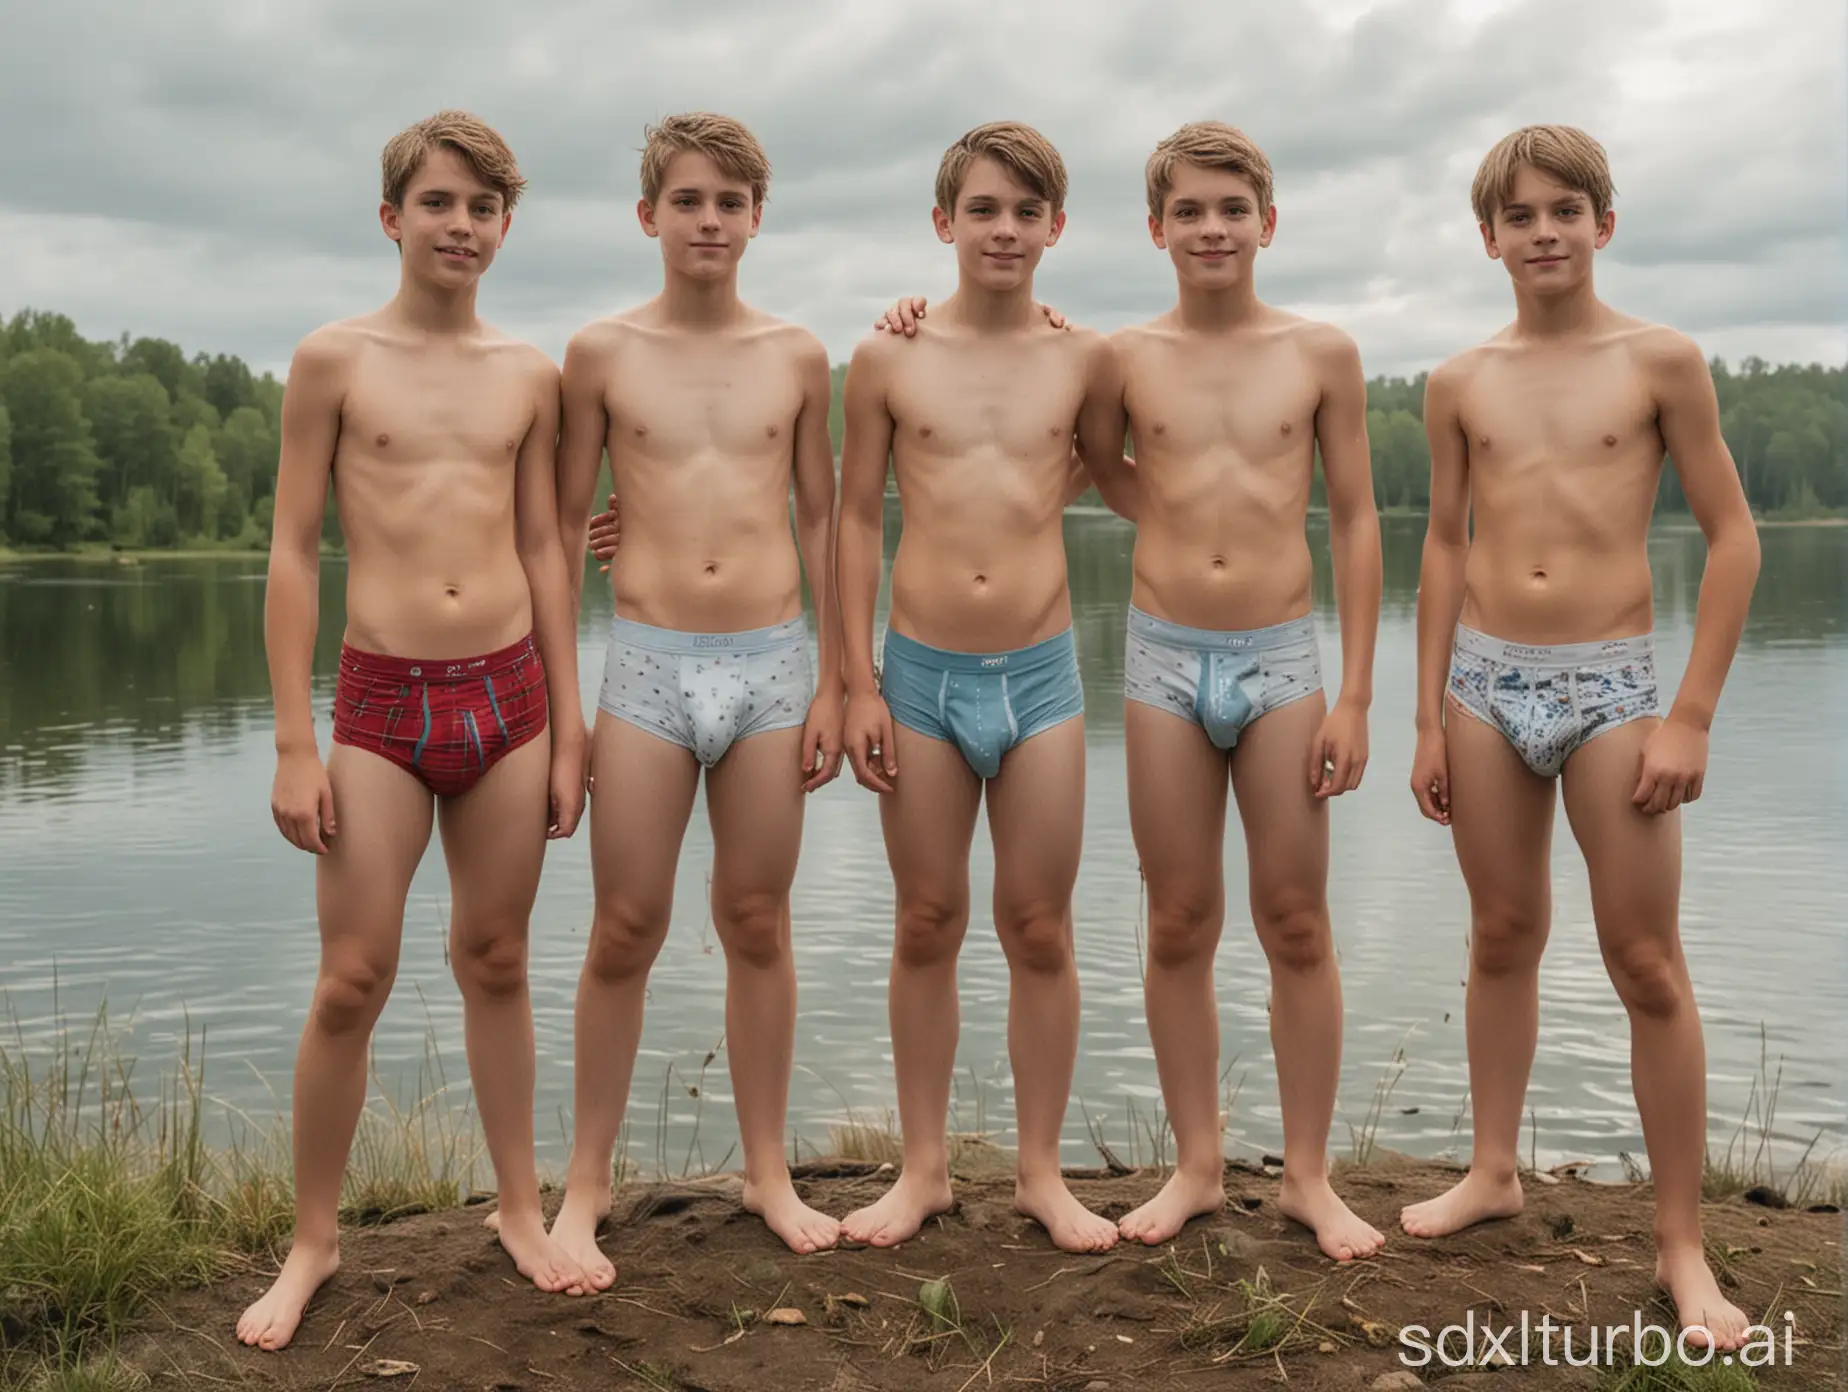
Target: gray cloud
[[207, 170]]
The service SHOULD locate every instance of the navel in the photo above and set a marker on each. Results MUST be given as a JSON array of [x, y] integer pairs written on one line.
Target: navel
[[770, 431], [511, 446], [640, 431], [1482, 441], [1161, 427], [924, 432], [1610, 440], [1286, 427], [1054, 432], [384, 439]]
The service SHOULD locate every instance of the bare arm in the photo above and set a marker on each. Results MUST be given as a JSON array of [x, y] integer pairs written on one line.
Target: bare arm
[[866, 452], [585, 427], [1446, 545], [1103, 424], [815, 526], [1353, 522], [1689, 416], [542, 556], [311, 405]]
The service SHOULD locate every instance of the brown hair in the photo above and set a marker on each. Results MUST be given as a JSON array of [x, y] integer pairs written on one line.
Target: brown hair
[[1021, 150], [1211, 145], [1564, 153], [479, 145], [721, 139]]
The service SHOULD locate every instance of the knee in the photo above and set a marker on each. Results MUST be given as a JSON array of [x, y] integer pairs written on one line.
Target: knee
[[624, 939], [754, 928], [930, 931], [491, 963], [1036, 937], [1648, 976], [1295, 936], [350, 994], [1505, 940], [1183, 930]]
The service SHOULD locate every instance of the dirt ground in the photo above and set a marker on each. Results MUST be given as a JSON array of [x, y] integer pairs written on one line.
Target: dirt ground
[[1242, 1299]]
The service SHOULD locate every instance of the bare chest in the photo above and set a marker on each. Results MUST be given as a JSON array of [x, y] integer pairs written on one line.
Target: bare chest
[[680, 403], [1186, 403], [949, 404], [1592, 415], [406, 412]]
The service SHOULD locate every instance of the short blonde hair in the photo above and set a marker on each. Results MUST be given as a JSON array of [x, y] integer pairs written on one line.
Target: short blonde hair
[[1211, 145], [479, 145], [721, 139], [1563, 153], [1026, 154]]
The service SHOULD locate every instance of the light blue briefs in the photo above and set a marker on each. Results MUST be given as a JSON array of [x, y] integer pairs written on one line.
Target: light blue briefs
[[1220, 679], [984, 703], [707, 691]]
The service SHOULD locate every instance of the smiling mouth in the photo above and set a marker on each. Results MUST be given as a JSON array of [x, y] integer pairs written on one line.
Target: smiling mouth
[[459, 253]]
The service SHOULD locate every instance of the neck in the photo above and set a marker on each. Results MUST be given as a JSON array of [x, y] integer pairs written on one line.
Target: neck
[[1207, 310], [1557, 315], [982, 308], [435, 310], [708, 304]]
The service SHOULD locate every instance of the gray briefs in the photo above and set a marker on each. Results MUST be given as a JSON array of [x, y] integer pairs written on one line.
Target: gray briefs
[[1221, 680], [707, 691], [1548, 701]]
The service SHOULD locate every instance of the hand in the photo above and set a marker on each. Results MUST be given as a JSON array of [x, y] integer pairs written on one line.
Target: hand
[[821, 740], [605, 531], [302, 801], [567, 788], [870, 747], [1431, 776], [903, 316], [1674, 767], [1338, 757]]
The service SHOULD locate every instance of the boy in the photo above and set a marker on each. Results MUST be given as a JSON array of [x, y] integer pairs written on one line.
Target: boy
[[1550, 437], [457, 692], [1228, 400], [708, 408], [979, 693]]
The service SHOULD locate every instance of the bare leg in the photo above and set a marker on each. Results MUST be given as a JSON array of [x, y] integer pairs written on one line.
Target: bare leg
[[755, 800], [1286, 839], [1501, 819], [638, 818], [1036, 816], [1177, 812], [929, 820], [1635, 864], [360, 887], [494, 841]]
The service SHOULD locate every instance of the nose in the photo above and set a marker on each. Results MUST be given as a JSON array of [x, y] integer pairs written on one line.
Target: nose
[[709, 216]]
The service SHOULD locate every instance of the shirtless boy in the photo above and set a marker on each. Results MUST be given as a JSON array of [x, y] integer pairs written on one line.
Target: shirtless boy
[[979, 690], [1227, 400], [457, 695], [1536, 663], [709, 410]]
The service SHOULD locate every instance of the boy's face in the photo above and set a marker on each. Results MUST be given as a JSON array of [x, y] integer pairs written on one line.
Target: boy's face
[[1000, 227], [1546, 233], [1210, 226], [451, 223], [704, 219]]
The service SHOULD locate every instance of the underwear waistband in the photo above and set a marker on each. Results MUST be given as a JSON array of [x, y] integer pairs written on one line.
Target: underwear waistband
[[382, 667], [1554, 655], [1146, 625], [1057, 648], [677, 642]]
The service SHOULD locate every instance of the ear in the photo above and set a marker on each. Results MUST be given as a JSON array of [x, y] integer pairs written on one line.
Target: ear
[[644, 214], [1058, 226], [1156, 235], [1606, 226], [1488, 241], [1270, 226], [757, 216], [941, 221], [506, 224], [392, 220]]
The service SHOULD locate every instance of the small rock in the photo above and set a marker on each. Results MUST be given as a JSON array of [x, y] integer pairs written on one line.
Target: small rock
[[1097, 1385], [1324, 1347], [762, 1272], [1766, 1198], [426, 1297], [1397, 1381], [786, 1314], [1274, 1161], [1039, 1337], [389, 1368], [853, 1298], [441, 1229]]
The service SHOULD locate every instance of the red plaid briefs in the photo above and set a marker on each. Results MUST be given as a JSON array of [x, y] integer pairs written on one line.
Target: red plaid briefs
[[447, 722]]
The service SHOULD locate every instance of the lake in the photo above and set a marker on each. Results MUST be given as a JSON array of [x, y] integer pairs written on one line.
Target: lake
[[139, 867]]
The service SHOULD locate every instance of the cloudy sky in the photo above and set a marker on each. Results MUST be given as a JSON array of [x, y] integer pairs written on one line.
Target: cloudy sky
[[207, 170]]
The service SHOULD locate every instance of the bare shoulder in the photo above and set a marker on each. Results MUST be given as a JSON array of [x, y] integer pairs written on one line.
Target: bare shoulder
[[877, 351], [1665, 351], [331, 347], [799, 345], [1328, 347], [601, 337]]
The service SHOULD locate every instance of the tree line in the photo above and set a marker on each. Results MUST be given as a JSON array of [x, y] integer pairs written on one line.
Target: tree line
[[132, 443]]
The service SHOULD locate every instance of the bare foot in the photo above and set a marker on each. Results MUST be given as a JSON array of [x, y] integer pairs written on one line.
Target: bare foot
[[901, 1211], [1474, 1199], [574, 1230], [789, 1218], [1184, 1196], [1710, 1319], [539, 1259], [271, 1321], [1072, 1226], [1339, 1232]]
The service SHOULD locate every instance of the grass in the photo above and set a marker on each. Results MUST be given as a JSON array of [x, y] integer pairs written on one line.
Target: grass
[[1749, 1161]]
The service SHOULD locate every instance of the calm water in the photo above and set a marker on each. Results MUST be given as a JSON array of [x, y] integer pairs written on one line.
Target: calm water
[[139, 865]]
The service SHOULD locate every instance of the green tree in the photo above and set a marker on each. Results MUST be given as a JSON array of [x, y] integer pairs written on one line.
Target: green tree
[[166, 362], [228, 384], [202, 486], [6, 463], [53, 492], [248, 450], [131, 420]]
